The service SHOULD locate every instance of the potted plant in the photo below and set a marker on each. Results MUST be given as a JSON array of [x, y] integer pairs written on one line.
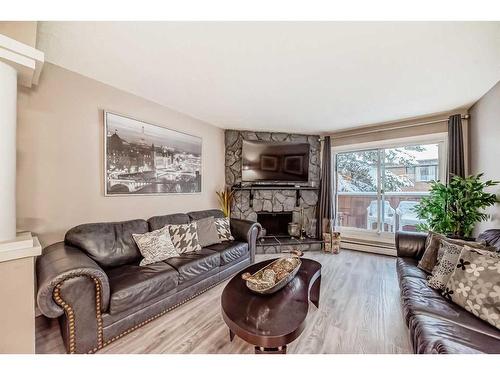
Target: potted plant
[[455, 208]]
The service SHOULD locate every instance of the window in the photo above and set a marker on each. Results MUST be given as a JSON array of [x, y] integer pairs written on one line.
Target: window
[[377, 189], [426, 173]]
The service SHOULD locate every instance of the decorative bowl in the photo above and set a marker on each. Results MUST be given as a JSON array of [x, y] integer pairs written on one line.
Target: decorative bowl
[[275, 275]]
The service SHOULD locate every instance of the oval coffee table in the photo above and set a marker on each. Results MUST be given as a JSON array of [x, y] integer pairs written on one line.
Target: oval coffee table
[[270, 322]]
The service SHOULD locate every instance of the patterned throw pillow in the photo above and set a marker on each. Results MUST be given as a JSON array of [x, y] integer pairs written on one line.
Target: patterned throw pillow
[[224, 229], [184, 237], [473, 244], [433, 251], [155, 246], [475, 284], [445, 267]]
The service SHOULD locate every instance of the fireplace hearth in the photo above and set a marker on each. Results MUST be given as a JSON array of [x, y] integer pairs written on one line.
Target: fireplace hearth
[[275, 223]]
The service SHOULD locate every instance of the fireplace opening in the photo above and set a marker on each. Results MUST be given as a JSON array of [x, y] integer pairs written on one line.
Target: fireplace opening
[[275, 223]]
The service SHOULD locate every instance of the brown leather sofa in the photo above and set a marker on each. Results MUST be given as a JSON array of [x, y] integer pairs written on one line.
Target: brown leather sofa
[[93, 282], [437, 325]]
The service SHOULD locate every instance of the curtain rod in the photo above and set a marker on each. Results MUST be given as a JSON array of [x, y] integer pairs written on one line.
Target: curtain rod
[[369, 131]]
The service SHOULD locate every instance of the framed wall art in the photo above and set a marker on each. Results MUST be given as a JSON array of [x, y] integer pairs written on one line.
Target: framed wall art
[[145, 159]]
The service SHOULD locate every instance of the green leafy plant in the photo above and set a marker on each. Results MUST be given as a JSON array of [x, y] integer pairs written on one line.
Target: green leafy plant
[[225, 199], [455, 208]]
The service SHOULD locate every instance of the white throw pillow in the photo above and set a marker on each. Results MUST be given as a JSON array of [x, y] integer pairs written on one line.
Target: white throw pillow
[[155, 246], [224, 229]]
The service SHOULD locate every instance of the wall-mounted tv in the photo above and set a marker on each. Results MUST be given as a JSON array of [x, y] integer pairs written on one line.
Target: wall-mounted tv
[[269, 162]]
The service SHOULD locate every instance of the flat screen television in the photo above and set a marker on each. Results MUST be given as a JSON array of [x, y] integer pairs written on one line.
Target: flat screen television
[[275, 162]]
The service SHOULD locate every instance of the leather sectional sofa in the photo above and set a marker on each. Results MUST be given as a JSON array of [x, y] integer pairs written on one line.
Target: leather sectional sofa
[[93, 282], [437, 325]]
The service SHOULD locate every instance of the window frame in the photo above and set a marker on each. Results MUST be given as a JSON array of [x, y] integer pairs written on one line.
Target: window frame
[[376, 235]]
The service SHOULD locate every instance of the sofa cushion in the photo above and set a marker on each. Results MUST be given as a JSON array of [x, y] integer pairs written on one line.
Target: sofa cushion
[[418, 298], [431, 334], [197, 215], [157, 222], [133, 285], [436, 324], [230, 251], [194, 264], [109, 244], [407, 267]]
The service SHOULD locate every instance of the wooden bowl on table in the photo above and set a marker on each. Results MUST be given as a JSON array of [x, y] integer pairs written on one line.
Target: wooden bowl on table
[[275, 275]]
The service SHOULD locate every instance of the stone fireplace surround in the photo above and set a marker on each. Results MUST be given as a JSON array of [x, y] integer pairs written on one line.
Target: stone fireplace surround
[[279, 199]]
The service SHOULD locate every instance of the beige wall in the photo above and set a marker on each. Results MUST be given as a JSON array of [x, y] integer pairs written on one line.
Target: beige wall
[[60, 156], [485, 146], [22, 31], [17, 317]]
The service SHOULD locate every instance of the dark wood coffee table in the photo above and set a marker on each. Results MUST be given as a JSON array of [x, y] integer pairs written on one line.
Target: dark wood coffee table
[[270, 322]]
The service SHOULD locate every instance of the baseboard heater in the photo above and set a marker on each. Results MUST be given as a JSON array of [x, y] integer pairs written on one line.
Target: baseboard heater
[[368, 246]]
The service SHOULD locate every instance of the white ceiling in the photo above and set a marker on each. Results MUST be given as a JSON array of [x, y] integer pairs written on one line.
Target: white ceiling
[[293, 76]]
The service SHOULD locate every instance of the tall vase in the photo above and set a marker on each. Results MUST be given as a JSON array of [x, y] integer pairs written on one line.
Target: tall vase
[[311, 232], [302, 224]]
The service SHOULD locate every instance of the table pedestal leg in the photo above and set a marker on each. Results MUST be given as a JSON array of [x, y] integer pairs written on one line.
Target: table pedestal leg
[[314, 293], [278, 350], [231, 335]]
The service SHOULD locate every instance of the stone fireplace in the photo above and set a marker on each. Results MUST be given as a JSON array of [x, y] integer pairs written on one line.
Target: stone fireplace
[[249, 202]]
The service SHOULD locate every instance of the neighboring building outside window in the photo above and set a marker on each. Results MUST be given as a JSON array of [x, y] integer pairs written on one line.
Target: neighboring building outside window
[[427, 172]]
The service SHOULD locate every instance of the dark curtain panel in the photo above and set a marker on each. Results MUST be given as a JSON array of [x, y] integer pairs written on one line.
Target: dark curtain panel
[[456, 165], [325, 202]]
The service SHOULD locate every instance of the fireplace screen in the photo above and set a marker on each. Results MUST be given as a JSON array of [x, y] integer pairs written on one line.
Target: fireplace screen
[[275, 223]]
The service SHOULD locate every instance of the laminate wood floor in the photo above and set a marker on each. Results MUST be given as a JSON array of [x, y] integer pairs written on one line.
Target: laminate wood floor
[[359, 313]]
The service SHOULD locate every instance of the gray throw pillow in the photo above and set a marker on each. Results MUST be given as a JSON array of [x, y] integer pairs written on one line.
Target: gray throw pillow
[[207, 232], [429, 259], [155, 246], [185, 237], [475, 284]]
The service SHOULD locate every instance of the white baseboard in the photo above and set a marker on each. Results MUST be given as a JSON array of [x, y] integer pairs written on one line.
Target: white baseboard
[[369, 248]]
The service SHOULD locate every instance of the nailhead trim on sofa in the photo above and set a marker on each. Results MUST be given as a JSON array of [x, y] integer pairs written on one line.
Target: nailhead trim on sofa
[[100, 344], [139, 325], [70, 314]]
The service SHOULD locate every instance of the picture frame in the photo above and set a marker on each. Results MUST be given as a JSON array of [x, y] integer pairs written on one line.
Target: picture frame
[[141, 158]]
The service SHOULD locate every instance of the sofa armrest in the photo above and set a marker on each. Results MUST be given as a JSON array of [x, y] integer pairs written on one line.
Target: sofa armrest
[[410, 244], [247, 231], [60, 263]]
